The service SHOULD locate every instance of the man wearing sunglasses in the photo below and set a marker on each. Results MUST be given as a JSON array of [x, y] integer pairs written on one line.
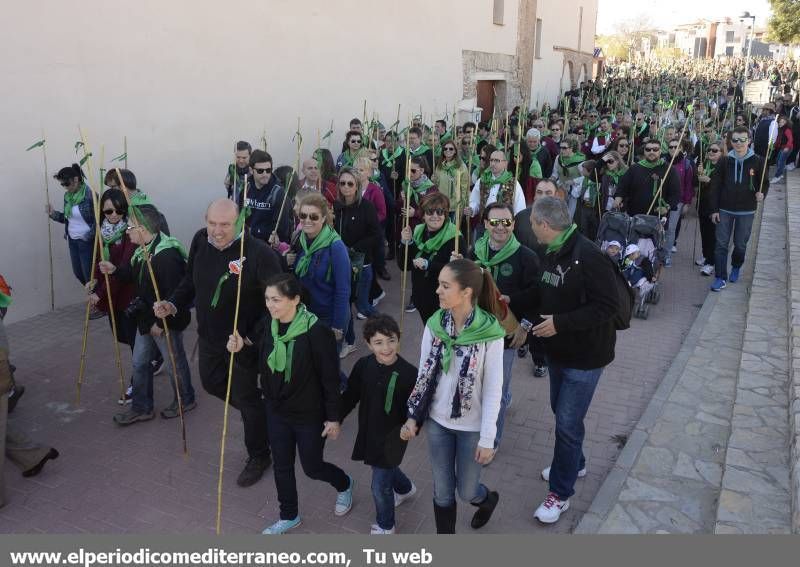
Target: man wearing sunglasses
[[639, 187], [496, 184], [264, 199], [735, 192]]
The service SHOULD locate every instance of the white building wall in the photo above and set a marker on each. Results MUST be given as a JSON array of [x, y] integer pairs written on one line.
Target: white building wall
[[184, 80]]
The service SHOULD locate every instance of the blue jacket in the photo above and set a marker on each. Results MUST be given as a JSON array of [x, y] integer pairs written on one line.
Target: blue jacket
[[86, 208], [330, 296]]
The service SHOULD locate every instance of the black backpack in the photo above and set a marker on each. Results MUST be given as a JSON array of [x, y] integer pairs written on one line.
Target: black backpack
[[626, 297]]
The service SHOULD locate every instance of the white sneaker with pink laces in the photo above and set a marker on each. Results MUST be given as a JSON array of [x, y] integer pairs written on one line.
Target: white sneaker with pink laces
[[551, 509]]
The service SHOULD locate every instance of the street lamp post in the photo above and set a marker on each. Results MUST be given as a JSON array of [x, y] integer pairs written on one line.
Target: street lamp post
[[742, 17]]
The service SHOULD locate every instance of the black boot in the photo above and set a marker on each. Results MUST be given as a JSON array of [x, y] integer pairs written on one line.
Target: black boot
[[485, 510], [445, 518]]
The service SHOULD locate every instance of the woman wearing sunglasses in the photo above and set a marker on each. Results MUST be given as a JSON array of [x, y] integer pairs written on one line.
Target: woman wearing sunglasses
[[78, 220], [321, 263], [352, 144], [452, 175], [356, 222], [430, 245], [614, 167], [708, 238]]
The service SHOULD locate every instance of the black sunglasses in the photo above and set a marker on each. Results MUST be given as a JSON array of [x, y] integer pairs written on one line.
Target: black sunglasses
[[355, 141], [262, 170], [563, 147], [112, 211], [739, 140], [714, 150], [609, 161], [65, 184], [449, 149], [347, 184], [673, 147], [652, 149], [438, 212], [414, 170], [310, 216]]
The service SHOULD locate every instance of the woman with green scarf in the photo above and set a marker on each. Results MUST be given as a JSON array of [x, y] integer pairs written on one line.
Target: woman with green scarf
[[451, 175], [458, 391], [299, 372], [708, 238], [77, 218], [430, 245], [613, 168]]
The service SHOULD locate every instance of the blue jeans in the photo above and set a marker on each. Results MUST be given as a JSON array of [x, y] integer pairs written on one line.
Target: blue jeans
[[672, 225], [385, 482], [363, 304], [571, 391], [305, 439], [781, 167], [509, 355], [452, 452], [80, 254], [143, 352], [738, 225]]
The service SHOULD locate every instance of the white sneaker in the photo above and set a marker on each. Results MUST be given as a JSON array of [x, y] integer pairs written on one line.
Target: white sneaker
[[346, 350], [360, 316], [377, 300], [400, 498], [790, 167], [546, 473], [674, 249], [551, 509], [377, 530], [707, 270], [774, 179], [700, 262]]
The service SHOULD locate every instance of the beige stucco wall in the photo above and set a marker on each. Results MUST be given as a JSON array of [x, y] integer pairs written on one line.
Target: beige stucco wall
[[184, 80]]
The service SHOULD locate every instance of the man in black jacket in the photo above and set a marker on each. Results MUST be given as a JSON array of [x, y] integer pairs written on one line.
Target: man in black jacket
[[574, 304], [639, 185], [211, 282], [168, 260], [264, 199]]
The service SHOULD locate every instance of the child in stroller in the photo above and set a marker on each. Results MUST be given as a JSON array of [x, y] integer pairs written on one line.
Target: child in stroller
[[638, 270]]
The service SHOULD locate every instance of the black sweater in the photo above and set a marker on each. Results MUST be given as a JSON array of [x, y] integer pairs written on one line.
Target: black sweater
[[312, 393], [583, 300], [169, 268], [636, 188], [736, 192], [205, 268], [358, 226], [368, 384], [517, 275]]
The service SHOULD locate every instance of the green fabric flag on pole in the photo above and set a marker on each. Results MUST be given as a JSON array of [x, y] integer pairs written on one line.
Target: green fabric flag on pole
[[121, 157], [38, 144]]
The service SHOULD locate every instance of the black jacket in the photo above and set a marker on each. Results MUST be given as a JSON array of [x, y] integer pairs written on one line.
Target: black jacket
[[387, 166], [367, 386], [636, 188], [169, 269], [312, 393], [265, 203], [733, 188], [203, 272], [524, 232], [583, 300], [358, 226], [517, 275], [425, 282]]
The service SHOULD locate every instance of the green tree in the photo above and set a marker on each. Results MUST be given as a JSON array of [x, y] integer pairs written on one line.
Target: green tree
[[613, 47], [784, 25]]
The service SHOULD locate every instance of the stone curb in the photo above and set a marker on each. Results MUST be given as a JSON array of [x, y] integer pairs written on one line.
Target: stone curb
[[793, 241]]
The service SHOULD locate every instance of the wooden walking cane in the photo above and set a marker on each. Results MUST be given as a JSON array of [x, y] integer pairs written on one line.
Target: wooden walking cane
[[406, 223], [666, 173], [42, 144], [167, 336], [230, 368]]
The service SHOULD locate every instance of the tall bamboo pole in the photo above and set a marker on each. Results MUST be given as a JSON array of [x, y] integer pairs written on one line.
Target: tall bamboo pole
[[49, 228], [406, 223], [666, 173]]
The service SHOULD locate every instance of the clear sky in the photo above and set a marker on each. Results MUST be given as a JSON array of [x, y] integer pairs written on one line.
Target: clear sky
[[668, 13]]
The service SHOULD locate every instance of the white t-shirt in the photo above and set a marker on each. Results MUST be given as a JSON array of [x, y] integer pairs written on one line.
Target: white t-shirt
[[488, 390], [77, 228]]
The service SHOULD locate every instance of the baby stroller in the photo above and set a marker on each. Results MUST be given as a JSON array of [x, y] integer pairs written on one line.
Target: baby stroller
[[647, 232], [614, 227]]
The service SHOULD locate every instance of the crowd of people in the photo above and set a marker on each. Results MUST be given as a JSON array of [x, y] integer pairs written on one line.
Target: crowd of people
[[499, 226]]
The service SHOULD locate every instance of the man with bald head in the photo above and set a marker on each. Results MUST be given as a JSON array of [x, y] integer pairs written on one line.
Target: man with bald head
[[211, 282]]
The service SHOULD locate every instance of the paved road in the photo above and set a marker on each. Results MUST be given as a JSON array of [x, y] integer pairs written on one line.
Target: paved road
[[136, 480]]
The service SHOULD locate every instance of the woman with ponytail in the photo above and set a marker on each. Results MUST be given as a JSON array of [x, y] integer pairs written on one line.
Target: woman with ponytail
[[459, 387], [77, 218]]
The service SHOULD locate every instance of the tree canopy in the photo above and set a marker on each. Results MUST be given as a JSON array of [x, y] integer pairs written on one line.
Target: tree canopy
[[784, 25]]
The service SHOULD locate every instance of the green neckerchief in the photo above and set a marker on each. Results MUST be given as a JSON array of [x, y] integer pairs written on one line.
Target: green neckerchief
[[388, 160], [482, 253], [325, 238], [559, 240], [387, 403], [138, 199], [591, 128], [575, 158], [375, 178], [280, 359], [483, 328], [451, 168], [431, 246], [160, 243], [615, 175], [591, 187], [5, 300], [446, 137], [422, 149], [651, 165], [437, 151], [535, 170], [115, 237], [417, 191], [73, 199], [488, 180], [347, 159]]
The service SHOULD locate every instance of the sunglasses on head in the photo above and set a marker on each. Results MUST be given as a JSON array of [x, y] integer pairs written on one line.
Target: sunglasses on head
[[437, 211], [347, 183], [505, 222], [314, 217], [739, 140], [262, 170], [112, 211]]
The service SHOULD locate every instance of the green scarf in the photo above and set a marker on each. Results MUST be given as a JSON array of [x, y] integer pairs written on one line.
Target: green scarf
[[575, 158], [419, 151], [488, 180], [483, 328], [280, 359], [325, 238], [535, 170], [5, 300], [375, 178], [388, 160], [451, 168], [559, 241], [387, 403], [651, 165], [591, 187], [347, 159], [446, 137], [159, 244], [138, 199], [418, 191], [73, 199], [432, 245], [482, 253], [615, 175]]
